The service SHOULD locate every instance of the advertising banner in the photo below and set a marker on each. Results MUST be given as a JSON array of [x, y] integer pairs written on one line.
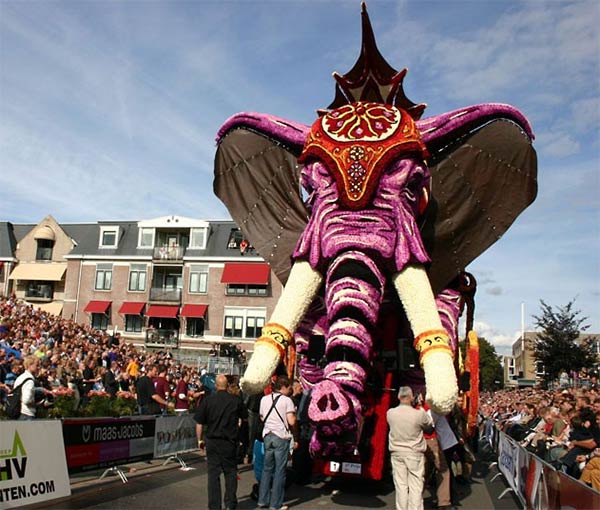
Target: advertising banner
[[32, 463], [508, 460], [531, 483], [93, 443], [522, 473], [175, 434]]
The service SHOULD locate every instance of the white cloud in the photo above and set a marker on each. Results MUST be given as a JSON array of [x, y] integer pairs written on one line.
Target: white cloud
[[541, 55], [557, 144], [485, 277], [502, 342], [494, 291]]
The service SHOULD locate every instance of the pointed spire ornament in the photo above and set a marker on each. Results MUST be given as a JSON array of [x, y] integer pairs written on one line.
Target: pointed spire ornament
[[372, 79]]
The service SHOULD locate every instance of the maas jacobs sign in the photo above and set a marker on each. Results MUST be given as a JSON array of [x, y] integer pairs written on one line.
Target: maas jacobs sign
[[32, 463]]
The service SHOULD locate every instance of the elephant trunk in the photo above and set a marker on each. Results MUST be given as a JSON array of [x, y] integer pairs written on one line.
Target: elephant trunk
[[431, 340], [301, 288]]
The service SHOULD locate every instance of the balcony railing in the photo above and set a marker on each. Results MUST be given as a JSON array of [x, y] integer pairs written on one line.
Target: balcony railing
[[168, 253], [162, 338], [43, 292], [222, 365], [167, 295]]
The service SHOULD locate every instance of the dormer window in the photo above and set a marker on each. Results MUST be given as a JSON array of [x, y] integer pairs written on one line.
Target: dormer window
[[146, 239], [109, 237], [197, 238], [237, 241], [44, 249], [45, 238]]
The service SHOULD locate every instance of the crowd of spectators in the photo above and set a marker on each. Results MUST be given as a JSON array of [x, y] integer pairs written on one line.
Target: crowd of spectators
[[561, 426], [83, 359]]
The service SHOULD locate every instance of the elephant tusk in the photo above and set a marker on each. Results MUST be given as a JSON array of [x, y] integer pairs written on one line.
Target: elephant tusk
[[431, 340], [414, 290], [301, 288]]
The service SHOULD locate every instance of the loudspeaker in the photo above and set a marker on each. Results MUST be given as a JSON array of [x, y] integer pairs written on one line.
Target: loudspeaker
[[408, 358]]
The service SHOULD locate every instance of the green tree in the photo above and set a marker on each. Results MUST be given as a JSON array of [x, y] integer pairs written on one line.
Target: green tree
[[490, 367], [555, 346]]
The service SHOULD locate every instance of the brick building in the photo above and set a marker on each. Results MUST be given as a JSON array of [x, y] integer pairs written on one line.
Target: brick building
[[163, 281]]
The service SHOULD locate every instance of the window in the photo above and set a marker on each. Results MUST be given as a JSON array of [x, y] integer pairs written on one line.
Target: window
[[137, 278], [198, 238], [235, 239], [99, 321], [539, 368], [146, 239], [233, 327], [243, 323], [257, 290], [236, 289], [108, 237], [44, 249], [194, 327], [254, 326], [198, 279], [133, 323], [103, 277]]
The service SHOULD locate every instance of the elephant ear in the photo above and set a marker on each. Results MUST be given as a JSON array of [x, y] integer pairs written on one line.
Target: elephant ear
[[257, 178], [484, 174]]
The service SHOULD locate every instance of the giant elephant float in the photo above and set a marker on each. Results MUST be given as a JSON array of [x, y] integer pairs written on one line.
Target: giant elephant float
[[371, 200]]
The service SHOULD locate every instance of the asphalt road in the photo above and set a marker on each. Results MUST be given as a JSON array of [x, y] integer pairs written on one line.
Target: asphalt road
[[153, 486]]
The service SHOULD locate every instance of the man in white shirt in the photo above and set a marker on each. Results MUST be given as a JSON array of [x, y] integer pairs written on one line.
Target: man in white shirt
[[407, 447], [27, 379], [278, 412]]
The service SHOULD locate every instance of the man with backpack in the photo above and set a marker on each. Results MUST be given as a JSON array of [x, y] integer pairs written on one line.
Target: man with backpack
[[24, 389], [278, 413]]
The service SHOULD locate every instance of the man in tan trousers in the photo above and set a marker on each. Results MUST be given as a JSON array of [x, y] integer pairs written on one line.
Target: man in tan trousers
[[407, 448]]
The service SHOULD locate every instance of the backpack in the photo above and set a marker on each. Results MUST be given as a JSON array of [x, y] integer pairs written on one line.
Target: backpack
[[13, 401], [261, 423]]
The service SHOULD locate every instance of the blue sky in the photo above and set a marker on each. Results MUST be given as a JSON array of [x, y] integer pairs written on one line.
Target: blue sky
[[109, 111]]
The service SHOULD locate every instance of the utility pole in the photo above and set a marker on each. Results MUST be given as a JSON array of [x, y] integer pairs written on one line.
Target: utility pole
[[523, 337]]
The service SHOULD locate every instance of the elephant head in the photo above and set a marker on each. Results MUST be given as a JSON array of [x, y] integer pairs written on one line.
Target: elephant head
[[392, 201]]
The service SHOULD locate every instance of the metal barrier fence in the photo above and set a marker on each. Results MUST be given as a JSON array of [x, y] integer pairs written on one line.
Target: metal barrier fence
[[536, 484]]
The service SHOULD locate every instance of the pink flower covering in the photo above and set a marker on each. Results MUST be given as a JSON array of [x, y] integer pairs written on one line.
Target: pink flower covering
[[387, 228]]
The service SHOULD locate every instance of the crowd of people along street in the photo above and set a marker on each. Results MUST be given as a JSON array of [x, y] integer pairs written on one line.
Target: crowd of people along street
[[50, 355]]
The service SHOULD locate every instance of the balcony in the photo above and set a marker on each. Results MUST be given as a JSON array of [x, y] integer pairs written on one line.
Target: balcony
[[165, 295], [162, 338], [41, 293], [222, 365], [168, 253]]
